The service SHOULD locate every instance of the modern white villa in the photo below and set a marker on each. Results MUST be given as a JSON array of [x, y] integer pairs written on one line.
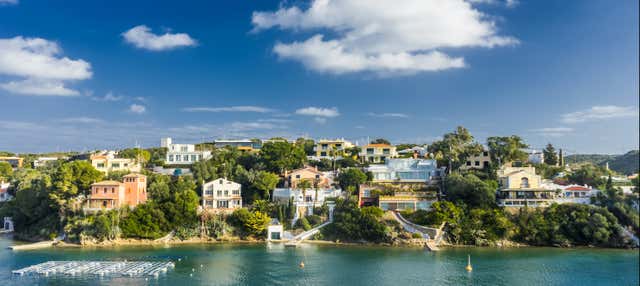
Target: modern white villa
[[406, 170], [182, 154], [221, 195], [304, 200]]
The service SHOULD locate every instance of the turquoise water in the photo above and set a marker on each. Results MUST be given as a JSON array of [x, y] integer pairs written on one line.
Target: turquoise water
[[332, 265]]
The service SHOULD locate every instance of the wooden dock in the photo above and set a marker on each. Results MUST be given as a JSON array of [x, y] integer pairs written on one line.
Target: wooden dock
[[97, 268]]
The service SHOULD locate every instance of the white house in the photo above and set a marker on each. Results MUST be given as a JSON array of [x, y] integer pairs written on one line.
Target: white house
[[304, 201], [182, 154], [275, 230], [221, 195], [4, 192], [406, 171]]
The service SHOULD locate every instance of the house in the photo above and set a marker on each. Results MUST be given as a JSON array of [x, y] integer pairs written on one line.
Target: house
[[407, 170], [244, 145], [534, 156], [107, 162], [316, 178], [479, 161], [4, 192], [377, 153], [43, 161], [521, 186], [304, 200], [331, 149], [15, 162], [182, 154], [395, 199], [275, 230], [420, 151], [221, 195], [106, 195], [7, 224]]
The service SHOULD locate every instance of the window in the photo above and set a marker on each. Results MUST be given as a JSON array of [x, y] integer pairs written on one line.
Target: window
[[323, 154], [184, 149], [100, 165], [386, 151], [226, 193], [236, 192], [370, 151], [178, 158], [308, 199], [317, 176], [485, 153], [185, 158], [170, 158], [219, 193], [115, 165], [297, 176], [468, 163], [223, 204], [524, 182], [193, 158], [477, 163], [104, 191]]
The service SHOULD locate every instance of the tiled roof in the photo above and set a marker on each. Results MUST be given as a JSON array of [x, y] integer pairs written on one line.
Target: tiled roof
[[107, 183], [576, 188]]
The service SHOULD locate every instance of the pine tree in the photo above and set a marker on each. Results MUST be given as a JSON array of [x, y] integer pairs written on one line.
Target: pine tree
[[550, 156]]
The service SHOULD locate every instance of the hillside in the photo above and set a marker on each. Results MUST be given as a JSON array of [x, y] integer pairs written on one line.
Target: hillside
[[625, 164]]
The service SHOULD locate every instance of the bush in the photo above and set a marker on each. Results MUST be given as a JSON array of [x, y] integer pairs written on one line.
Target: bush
[[303, 223], [416, 235]]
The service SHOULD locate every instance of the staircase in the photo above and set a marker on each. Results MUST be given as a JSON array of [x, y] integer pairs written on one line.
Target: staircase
[[431, 236], [305, 235]]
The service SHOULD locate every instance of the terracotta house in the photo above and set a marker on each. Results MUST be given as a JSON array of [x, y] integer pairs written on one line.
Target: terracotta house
[[293, 178], [113, 194]]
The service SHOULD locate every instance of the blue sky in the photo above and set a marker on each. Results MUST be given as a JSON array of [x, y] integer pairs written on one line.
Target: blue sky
[[80, 75]]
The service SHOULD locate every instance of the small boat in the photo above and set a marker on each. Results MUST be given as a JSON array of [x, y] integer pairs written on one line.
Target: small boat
[[469, 268], [301, 264]]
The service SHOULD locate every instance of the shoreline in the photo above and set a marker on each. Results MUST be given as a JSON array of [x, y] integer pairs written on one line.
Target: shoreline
[[198, 241]]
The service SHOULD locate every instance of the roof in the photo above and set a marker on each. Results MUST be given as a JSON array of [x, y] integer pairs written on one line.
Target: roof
[[378, 145], [107, 183], [134, 175], [307, 168], [577, 188]]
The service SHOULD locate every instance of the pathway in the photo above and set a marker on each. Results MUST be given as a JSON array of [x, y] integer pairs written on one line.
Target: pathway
[[305, 235], [431, 236]]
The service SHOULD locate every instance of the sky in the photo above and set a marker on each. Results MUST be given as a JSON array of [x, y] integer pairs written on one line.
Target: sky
[[86, 75]]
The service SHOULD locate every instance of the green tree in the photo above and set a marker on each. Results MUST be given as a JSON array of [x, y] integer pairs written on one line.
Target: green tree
[[454, 148], [143, 156], [470, 190], [550, 155], [308, 145], [281, 155], [507, 149], [381, 141], [350, 178], [6, 171]]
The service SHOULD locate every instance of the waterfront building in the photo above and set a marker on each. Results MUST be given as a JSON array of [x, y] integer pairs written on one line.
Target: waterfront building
[[389, 197], [304, 200], [377, 153], [15, 162], [182, 154], [331, 149], [106, 162], [521, 186], [477, 162], [307, 173], [107, 195], [4, 192], [275, 230], [221, 195], [7, 224], [407, 170], [244, 145]]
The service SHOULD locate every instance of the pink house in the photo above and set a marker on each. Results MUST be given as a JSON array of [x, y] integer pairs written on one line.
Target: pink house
[[113, 194]]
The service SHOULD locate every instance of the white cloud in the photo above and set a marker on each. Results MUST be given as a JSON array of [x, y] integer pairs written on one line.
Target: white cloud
[[318, 111], [142, 37], [8, 2], [137, 108], [41, 69], [382, 36], [38, 87], [258, 109], [110, 96], [248, 126], [396, 115], [84, 120], [552, 131], [600, 113]]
